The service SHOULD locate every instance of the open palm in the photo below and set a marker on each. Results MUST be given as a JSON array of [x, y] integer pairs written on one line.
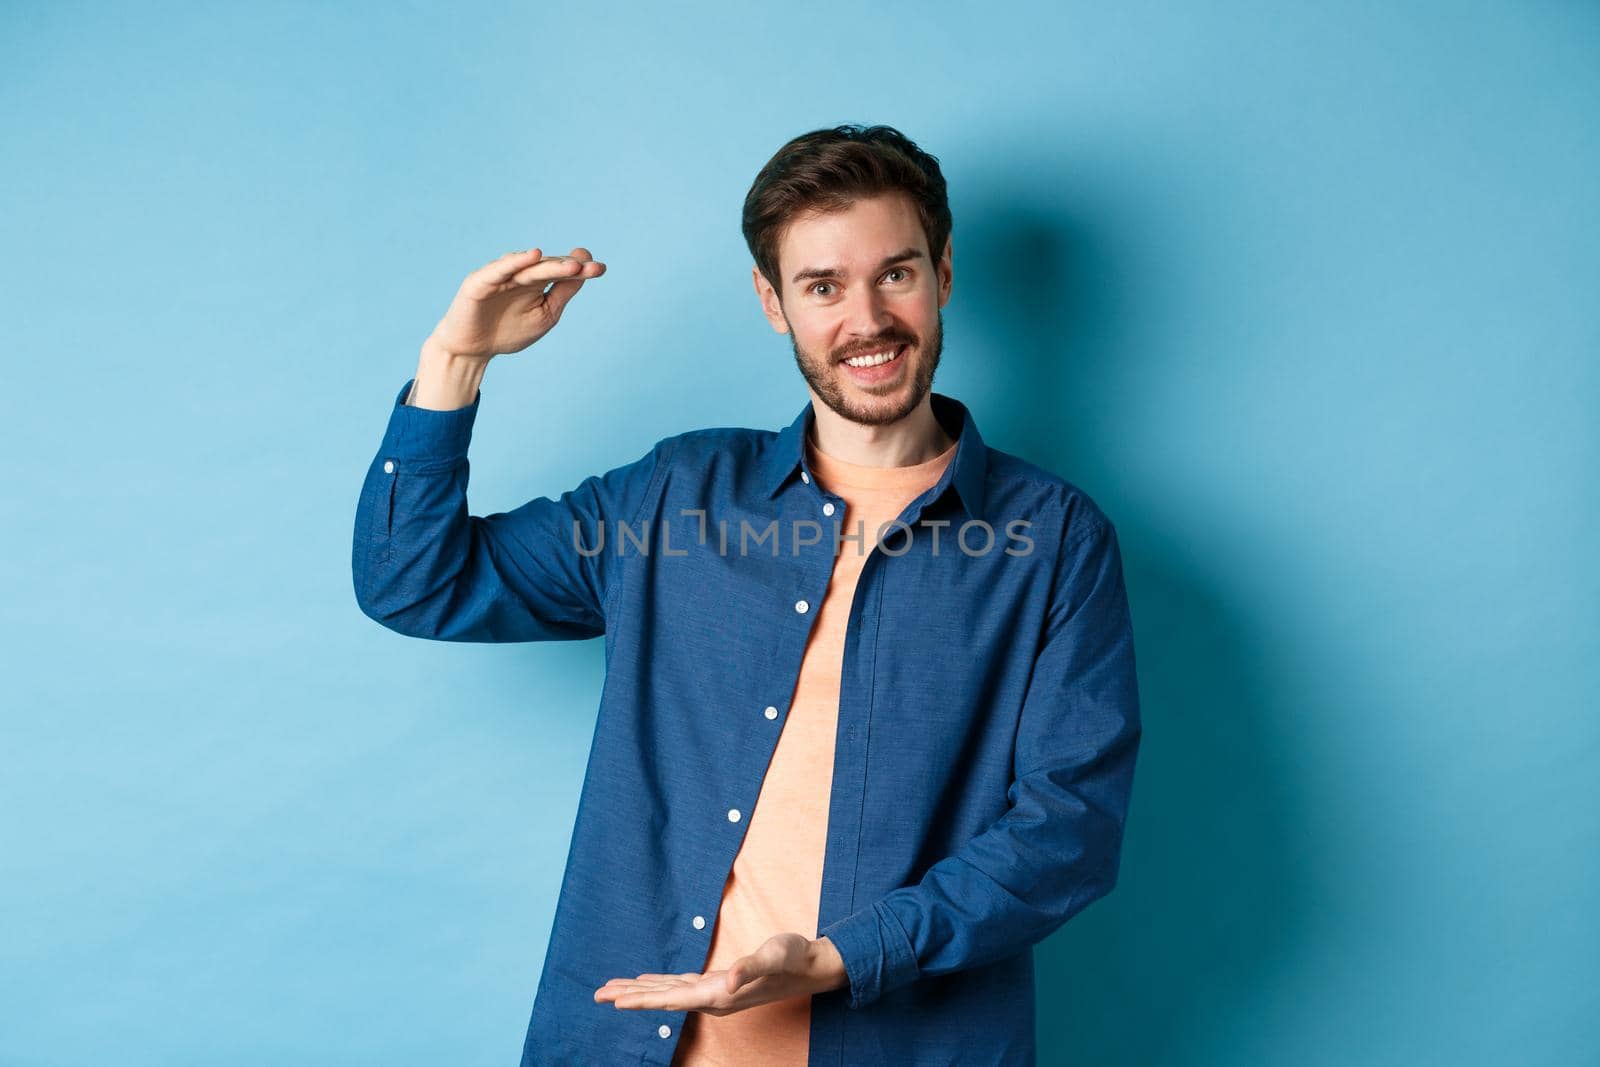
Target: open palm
[[784, 966]]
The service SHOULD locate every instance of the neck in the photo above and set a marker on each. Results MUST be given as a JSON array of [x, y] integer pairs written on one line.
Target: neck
[[916, 438]]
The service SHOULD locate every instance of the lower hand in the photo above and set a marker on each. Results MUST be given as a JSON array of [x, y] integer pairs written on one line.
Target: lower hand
[[786, 965]]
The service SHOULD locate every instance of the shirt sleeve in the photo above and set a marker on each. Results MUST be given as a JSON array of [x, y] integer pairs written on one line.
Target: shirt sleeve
[[1058, 846], [424, 567]]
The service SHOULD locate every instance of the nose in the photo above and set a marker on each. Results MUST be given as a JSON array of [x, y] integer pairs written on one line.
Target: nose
[[866, 315]]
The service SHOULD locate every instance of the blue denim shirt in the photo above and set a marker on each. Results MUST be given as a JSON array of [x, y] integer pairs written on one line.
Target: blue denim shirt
[[988, 714]]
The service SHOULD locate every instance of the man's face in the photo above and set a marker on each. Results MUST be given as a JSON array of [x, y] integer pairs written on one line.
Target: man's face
[[858, 282]]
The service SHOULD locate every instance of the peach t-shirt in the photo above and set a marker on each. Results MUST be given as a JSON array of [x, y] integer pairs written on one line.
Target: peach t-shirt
[[776, 882]]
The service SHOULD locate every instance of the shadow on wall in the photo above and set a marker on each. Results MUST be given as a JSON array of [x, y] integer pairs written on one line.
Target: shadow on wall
[[1198, 928]]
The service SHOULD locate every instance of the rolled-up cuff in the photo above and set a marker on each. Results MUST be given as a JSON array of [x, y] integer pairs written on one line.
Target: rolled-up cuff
[[877, 953], [424, 436]]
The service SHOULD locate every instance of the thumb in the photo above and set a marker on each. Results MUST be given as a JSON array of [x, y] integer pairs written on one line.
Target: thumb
[[744, 971], [560, 292]]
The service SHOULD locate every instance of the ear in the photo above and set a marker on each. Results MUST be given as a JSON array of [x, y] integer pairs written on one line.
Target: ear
[[770, 306], [946, 274]]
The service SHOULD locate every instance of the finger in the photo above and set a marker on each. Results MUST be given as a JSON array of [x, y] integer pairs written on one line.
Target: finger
[[578, 255], [640, 986], [508, 264], [615, 993], [662, 1000], [556, 268], [612, 992], [548, 269], [632, 993], [594, 267]]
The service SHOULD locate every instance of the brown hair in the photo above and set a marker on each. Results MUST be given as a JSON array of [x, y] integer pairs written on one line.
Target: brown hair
[[827, 170]]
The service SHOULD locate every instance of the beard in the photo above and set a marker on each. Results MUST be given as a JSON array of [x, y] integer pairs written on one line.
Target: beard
[[828, 378]]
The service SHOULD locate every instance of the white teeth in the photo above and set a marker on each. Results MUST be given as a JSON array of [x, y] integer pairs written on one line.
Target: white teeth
[[872, 359]]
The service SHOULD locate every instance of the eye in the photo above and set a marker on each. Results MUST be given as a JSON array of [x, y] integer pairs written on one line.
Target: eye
[[898, 270], [813, 289]]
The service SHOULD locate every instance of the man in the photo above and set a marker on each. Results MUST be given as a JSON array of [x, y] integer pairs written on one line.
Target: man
[[870, 717]]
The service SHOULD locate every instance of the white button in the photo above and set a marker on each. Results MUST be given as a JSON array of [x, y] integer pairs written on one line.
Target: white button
[[699, 922], [665, 1030], [804, 477], [388, 466], [771, 712], [801, 606], [827, 509], [733, 814]]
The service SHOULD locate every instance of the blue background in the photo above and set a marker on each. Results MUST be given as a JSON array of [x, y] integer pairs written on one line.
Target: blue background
[[1304, 295]]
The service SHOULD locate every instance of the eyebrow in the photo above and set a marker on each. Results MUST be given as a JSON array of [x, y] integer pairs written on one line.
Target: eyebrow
[[834, 272]]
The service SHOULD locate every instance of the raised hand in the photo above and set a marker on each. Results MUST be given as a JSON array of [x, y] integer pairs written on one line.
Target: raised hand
[[504, 306]]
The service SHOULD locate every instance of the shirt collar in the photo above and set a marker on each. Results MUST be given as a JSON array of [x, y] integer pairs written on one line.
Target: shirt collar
[[967, 471]]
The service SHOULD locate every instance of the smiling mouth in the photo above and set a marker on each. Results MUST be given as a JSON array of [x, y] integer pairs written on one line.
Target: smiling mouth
[[862, 361]]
